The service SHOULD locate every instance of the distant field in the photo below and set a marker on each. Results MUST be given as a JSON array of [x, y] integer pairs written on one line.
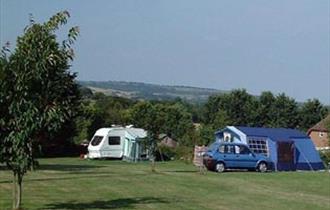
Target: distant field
[[69, 183]]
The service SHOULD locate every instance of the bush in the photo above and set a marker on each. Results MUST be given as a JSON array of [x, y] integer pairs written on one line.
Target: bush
[[325, 156], [184, 153], [165, 153]]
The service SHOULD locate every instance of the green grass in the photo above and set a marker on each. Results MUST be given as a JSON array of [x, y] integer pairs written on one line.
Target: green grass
[[69, 183]]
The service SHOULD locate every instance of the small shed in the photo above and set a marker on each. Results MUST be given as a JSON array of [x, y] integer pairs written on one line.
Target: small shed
[[165, 140], [289, 149]]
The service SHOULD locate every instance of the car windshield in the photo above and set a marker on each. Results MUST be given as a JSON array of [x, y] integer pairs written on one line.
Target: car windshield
[[96, 140], [213, 146]]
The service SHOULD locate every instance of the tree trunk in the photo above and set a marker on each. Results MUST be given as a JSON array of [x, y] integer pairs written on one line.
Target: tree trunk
[[153, 165], [14, 190], [31, 155], [161, 154], [152, 157], [19, 191]]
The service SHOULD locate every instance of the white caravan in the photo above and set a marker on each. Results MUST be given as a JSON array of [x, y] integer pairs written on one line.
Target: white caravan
[[118, 142]]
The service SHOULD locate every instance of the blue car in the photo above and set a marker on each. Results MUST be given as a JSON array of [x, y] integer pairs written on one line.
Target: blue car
[[222, 156]]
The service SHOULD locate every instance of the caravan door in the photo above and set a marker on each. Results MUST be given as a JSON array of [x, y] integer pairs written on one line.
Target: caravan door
[[115, 146], [285, 156], [114, 143]]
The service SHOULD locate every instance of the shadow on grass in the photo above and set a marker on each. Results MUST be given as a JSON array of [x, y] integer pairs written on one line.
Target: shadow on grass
[[66, 167], [3, 168], [182, 171], [110, 204], [98, 175]]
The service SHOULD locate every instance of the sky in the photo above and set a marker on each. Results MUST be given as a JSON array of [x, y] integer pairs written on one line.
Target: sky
[[278, 46]]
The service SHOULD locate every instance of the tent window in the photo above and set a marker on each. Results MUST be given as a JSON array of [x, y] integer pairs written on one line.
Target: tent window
[[258, 145], [96, 140], [114, 140]]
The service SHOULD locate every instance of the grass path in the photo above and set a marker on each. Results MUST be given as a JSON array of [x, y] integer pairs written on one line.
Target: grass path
[[69, 183]]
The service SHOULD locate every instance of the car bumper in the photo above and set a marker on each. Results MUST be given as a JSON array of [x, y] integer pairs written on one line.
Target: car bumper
[[209, 163]]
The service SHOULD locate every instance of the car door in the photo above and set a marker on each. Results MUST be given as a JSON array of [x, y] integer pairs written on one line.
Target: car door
[[229, 156], [244, 157]]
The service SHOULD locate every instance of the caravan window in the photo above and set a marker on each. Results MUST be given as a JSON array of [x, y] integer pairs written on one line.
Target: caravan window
[[96, 140], [114, 140]]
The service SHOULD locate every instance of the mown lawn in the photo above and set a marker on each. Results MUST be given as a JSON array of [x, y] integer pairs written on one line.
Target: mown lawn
[[70, 183]]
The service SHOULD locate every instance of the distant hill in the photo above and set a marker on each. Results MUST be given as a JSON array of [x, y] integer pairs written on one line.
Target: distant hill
[[139, 90]]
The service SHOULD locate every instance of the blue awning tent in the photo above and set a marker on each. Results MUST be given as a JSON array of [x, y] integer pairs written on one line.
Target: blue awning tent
[[289, 149]]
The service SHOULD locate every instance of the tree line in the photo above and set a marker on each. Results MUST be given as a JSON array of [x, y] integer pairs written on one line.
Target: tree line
[[192, 124]]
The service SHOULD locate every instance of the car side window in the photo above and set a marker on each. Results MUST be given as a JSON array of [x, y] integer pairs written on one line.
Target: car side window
[[222, 149], [244, 150], [237, 149], [230, 149]]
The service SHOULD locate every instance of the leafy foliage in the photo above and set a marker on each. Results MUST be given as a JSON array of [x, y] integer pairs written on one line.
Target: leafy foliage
[[38, 93], [311, 113], [327, 125]]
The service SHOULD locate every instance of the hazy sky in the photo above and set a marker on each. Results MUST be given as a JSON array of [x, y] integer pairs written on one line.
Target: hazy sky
[[278, 45]]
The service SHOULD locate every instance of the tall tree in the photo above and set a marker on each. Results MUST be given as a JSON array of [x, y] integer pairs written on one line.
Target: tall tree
[[238, 106], [38, 93], [144, 115], [211, 107], [265, 109], [327, 125], [286, 110], [175, 120], [311, 113], [171, 119]]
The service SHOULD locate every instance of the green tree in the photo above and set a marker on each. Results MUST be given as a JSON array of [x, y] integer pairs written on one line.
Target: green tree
[[206, 134], [311, 113], [211, 107], [89, 119], [265, 109], [38, 93], [144, 115], [286, 112], [327, 125], [175, 120], [221, 120], [4, 102], [172, 119], [113, 109], [238, 106]]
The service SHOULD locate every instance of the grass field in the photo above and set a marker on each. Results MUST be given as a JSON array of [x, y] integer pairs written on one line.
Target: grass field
[[70, 183]]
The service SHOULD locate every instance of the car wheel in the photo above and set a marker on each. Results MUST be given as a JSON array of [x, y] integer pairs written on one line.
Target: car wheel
[[262, 167], [220, 167]]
